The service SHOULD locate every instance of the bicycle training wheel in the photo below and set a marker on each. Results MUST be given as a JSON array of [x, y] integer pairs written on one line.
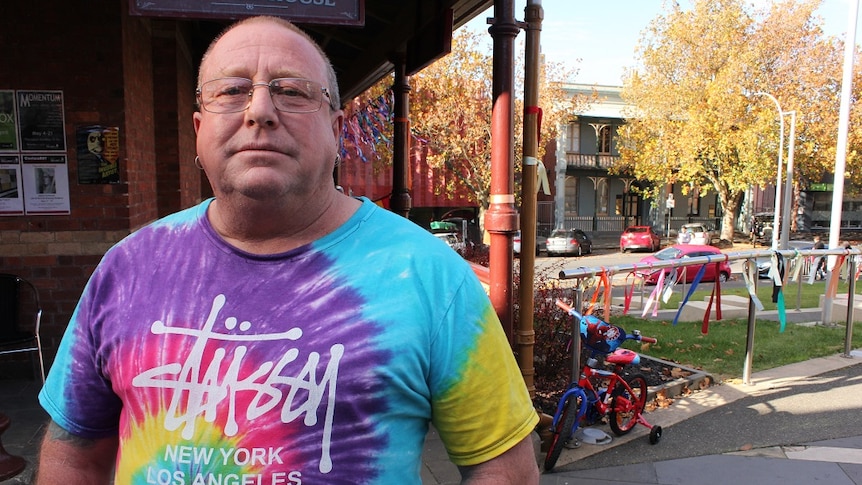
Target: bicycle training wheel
[[627, 406], [563, 431]]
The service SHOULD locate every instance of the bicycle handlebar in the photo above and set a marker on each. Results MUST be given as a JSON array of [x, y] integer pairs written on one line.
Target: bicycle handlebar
[[571, 311]]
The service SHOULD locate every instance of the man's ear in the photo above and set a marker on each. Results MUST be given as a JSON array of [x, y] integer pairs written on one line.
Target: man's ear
[[337, 124]]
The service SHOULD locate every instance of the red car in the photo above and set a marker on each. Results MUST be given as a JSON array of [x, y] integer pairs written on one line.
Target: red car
[[639, 237], [682, 252]]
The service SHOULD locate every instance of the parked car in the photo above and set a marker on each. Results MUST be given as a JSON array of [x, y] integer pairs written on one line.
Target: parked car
[[569, 241], [452, 239], [639, 237], [541, 243], [683, 251], [761, 228], [764, 264], [701, 234]]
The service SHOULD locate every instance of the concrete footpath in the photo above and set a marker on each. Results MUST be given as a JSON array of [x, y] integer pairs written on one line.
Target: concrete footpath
[[798, 424]]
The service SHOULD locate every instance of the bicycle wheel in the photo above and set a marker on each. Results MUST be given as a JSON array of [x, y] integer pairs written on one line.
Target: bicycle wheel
[[563, 431], [627, 406]]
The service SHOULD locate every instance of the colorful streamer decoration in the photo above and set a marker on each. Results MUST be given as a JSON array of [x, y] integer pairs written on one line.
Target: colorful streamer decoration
[[364, 130], [776, 273]]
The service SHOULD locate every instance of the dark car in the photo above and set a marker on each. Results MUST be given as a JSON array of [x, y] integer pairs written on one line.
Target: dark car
[[569, 241], [639, 237], [683, 251], [541, 242]]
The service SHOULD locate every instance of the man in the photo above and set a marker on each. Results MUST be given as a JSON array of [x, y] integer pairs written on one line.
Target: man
[[820, 268], [282, 332]]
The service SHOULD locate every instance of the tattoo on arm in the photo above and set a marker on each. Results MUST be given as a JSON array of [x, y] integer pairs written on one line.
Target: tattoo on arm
[[56, 433]]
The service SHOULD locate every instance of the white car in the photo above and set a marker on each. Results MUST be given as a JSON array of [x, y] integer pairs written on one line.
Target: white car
[[452, 239], [701, 234]]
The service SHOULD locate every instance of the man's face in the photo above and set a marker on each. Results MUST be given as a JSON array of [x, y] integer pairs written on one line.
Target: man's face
[[94, 143], [263, 153]]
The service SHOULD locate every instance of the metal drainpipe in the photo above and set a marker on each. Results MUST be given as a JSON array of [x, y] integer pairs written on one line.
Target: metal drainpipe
[[525, 338], [400, 201], [501, 219]]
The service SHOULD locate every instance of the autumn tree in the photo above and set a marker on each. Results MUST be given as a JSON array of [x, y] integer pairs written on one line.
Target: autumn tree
[[695, 120], [450, 112]]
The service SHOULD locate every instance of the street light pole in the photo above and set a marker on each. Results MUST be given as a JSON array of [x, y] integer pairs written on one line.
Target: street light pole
[[775, 223], [788, 187]]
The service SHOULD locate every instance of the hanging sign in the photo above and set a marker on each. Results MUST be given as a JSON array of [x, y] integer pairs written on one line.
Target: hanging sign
[[334, 12]]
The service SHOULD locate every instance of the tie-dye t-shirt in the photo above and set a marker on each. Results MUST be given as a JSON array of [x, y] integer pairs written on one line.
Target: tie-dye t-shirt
[[320, 365]]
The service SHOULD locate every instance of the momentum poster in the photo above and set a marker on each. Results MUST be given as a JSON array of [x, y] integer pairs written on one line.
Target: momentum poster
[[40, 120]]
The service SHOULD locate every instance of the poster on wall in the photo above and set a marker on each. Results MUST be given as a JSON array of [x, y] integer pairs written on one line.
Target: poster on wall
[[40, 120], [8, 125], [46, 184], [98, 149], [11, 194]]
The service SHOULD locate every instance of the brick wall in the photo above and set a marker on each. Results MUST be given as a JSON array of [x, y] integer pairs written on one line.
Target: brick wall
[[105, 62]]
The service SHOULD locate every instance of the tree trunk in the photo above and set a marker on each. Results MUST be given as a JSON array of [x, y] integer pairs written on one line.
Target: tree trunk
[[729, 205]]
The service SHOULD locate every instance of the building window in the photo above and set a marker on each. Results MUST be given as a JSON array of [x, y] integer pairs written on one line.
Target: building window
[[602, 188], [605, 139], [573, 134], [694, 202], [571, 196]]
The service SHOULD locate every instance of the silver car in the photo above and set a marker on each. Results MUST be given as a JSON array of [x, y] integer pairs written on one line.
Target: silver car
[[569, 241]]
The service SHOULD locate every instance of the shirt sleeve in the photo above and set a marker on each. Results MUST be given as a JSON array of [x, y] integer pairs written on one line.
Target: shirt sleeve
[[481, 406], [76, 394]]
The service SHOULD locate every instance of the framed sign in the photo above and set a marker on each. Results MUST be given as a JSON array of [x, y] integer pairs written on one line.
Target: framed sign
[[8, 121], [46, 184], [335, 12], [11, 193], [40, 120]]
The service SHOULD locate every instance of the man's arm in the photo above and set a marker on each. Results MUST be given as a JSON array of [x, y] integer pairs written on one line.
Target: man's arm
[[517, 466], [71, 460]]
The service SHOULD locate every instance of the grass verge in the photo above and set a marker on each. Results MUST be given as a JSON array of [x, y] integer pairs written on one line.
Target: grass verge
[[721, 351]]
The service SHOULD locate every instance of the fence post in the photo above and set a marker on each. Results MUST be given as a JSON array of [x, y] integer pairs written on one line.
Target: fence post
[[851, 291], [576, 334], [749, 341]]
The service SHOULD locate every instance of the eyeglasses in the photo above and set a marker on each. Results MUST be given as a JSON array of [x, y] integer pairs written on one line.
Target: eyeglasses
[[233, 94]]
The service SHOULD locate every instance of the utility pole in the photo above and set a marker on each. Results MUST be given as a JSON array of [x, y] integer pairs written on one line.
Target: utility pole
[[525, 337]]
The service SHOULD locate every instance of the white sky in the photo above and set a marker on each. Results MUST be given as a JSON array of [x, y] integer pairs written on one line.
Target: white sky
[[603, 34]]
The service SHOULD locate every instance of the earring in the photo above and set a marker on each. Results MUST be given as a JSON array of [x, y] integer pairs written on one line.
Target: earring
[[198, 163], [337, 160]]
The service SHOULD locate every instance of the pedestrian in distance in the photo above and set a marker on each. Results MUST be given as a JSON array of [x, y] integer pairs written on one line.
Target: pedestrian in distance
[[282, 331], [820, 267], [684, 237]]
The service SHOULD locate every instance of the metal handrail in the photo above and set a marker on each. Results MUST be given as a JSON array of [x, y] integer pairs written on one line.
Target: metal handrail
[[644, 269]]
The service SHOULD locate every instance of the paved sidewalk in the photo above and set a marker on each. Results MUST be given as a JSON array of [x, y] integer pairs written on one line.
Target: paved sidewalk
[[775, 392], [801, 394]]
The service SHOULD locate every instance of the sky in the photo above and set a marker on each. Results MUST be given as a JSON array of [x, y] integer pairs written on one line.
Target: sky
[[603, 34]]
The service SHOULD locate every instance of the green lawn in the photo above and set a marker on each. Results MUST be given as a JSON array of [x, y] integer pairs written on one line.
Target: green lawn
[[721, 351]]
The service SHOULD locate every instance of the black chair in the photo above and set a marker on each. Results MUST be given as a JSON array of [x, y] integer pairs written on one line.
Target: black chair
[[20, 318]]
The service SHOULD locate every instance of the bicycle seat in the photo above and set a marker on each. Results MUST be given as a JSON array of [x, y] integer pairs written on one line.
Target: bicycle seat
[[623, 357], [601, 336]]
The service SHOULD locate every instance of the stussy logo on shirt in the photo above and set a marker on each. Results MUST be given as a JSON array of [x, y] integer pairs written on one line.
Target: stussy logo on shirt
[[198, 388]]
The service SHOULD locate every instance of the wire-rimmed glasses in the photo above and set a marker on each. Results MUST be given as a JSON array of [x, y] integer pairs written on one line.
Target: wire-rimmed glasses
[[233, 94]]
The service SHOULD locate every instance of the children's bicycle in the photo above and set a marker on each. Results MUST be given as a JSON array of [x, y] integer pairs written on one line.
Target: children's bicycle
[[599, 392]]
